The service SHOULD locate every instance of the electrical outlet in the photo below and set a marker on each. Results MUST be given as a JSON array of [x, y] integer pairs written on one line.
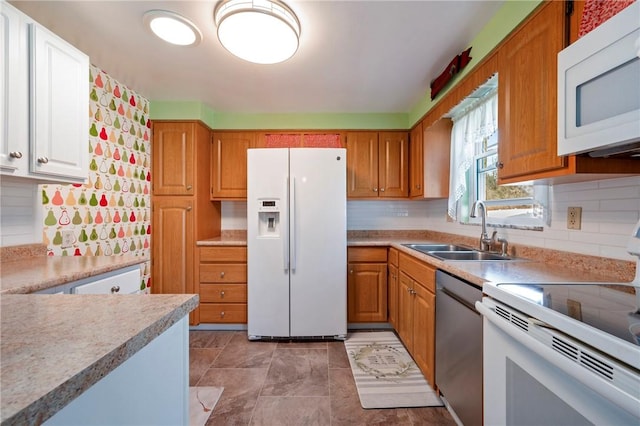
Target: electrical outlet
[[68, 238], [574, 217]]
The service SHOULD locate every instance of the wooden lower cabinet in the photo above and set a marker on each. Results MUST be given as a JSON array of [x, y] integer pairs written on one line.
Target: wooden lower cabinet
[[416, 312], [222, 284], [392, 288], [367, 284]]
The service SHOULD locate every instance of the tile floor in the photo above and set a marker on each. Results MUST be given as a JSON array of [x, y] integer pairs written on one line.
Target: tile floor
[[287, 383]]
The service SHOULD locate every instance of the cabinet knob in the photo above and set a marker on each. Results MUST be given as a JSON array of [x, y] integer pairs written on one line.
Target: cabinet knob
[[500, 165], [189, 208], [15, 154], [375, 189], [115, 289], [189, 187], [43, 160], [351, 271], [381, 189], [222, 314], [418, 186], [222, 274], [222, 294]]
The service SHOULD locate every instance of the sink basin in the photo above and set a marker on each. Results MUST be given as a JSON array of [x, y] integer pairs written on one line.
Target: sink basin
[[467, 255], [427, 248]]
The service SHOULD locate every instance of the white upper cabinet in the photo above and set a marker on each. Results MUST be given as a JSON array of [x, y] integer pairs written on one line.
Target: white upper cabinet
[[44, 114]]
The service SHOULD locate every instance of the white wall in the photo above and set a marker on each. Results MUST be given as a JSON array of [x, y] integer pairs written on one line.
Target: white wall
[[610, 209], [20, 220]]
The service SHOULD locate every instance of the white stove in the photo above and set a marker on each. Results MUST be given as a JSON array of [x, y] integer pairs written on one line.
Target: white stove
[[562, 353]]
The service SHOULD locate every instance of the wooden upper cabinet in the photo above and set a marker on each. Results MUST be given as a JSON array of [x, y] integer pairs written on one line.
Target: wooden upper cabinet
[[416, 162], [377, 164], [527, 101], [173, 160], [393, 164], [437, 154], [229, 164], [362, 164]]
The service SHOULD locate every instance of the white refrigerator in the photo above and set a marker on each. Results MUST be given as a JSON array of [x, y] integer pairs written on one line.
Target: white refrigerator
[[297, 242]]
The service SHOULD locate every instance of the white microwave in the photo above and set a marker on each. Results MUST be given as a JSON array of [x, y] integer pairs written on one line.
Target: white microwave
[[599, 89]]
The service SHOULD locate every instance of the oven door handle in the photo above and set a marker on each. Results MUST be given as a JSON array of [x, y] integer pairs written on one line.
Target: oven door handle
[[628, 402]]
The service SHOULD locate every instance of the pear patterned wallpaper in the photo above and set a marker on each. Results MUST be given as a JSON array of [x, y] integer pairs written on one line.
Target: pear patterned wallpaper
[[109, 215]]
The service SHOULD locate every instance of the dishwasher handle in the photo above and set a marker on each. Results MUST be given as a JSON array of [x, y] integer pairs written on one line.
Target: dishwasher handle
[[463, 302]]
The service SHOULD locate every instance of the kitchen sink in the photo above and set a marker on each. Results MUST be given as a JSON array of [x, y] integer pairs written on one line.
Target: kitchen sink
[[427, 248], [467, 255]]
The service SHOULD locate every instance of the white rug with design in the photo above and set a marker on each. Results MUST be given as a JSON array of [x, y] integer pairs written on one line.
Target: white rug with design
[[386, 376], [202, 400]]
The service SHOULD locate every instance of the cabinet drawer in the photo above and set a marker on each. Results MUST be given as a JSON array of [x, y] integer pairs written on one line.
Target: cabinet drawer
[[124, 283], [393, 256], [223, 293], [223, 273], [367, 254], [223, 254], [420, 272], [223, 312]]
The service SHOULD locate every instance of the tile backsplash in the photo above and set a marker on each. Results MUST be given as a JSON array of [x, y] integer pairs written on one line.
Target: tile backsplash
[[610, 209]]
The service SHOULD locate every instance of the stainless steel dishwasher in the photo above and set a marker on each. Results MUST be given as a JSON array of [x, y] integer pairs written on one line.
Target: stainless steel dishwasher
[[459, 347]]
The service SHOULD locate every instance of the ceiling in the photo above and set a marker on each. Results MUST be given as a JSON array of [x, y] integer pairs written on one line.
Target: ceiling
[[354, 56]]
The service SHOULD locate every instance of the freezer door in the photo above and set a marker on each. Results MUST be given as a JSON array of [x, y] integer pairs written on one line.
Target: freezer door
[[318, 242], [267, 243]]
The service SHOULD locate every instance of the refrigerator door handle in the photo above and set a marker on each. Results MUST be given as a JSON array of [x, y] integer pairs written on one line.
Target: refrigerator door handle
[[285, 231], [292, 221]]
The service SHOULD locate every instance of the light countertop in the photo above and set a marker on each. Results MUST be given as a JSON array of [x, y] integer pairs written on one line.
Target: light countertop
[[54, 347], [533, 264], [34, 273]]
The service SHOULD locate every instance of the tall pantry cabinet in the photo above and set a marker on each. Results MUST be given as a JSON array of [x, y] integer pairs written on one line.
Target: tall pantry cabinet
[[182, 212]]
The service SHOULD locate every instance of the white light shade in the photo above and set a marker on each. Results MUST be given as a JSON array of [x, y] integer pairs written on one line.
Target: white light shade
[[172, 28], [259, 31]]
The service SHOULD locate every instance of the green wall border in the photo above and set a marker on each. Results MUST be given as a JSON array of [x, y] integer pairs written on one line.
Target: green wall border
[[502, 23]]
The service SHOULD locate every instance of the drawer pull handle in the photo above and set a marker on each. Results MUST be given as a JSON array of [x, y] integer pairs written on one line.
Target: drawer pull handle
[[15, 154], [222, 274], [222, 314], [222, 294], [189, 187], [43, 160], [115, 289]]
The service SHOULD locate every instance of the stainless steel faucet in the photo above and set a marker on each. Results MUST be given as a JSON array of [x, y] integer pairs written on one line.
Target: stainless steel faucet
[[485, 241]]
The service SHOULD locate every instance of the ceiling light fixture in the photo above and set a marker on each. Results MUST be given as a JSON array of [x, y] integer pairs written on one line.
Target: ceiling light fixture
[[172, 28], [259, 31]]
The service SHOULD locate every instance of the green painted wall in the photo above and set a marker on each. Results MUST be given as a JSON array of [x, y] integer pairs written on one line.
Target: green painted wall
[[507, 17]]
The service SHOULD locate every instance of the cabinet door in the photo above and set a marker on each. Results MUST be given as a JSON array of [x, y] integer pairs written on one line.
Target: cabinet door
[[367, 292], [172, 162], [393, 164], [527, 95], [59, 105], [14, 89], [437, 142], [416, 162], [229, 164], [405, 310], [392, 295], [424, 310], [172, 245], [362, 164]]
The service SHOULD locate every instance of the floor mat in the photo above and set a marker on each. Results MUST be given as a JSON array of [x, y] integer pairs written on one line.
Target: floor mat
[[385, 374], [202, 400]]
